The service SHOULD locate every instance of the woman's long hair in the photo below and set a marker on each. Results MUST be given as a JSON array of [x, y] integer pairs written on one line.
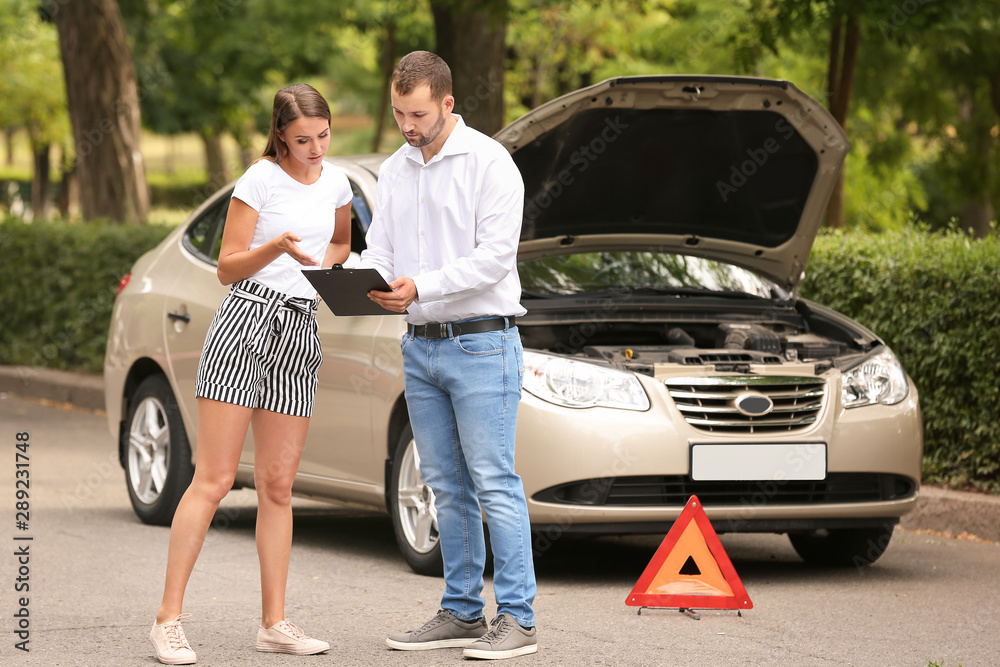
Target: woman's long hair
[[290, 104]]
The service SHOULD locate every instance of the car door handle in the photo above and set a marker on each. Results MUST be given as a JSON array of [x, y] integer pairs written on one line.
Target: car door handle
[[175, 315]]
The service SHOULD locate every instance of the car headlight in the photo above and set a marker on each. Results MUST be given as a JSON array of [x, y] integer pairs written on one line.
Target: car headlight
[[578, 384], [878, 379]]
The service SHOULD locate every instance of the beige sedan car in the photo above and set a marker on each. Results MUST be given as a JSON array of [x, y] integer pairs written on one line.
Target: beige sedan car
[[667, 224]]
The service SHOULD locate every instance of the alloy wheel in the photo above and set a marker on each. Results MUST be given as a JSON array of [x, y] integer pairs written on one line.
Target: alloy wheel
[[417, 514], [148, 450]]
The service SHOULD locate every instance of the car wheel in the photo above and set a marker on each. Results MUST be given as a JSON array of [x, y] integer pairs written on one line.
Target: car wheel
[[858, 547], [158, 465], [411, 505]]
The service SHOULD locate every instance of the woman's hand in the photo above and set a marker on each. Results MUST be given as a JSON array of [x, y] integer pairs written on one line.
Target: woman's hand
[[288, 244]]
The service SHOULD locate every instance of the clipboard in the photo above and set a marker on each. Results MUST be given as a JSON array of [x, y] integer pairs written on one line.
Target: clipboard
[[345, 291]]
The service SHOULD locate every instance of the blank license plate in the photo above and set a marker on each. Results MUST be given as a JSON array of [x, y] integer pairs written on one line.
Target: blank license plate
[[722, 462]]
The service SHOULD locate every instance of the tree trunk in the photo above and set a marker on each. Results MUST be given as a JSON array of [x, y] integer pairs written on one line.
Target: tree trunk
[[9, 140], [833, 61], [978, 214], [995, 90], [103, 102], [69, 193], [840, 80], [848, 66], [248, 154], [244, 136], [215, 160], [975, 131], [470, 38], [388, 64], [40, 182]]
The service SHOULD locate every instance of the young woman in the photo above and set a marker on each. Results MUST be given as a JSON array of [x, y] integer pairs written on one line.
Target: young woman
[[259, 365]]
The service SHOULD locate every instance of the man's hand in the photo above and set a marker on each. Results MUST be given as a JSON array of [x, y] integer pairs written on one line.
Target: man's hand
[[403, 293]]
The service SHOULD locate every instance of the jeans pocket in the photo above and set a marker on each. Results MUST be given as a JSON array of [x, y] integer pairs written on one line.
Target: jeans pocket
[[519, 353], [404, 342], [480, 344]]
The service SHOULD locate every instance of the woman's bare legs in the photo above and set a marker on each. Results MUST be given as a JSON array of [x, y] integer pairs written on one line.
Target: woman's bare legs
[[222, 428], [278, 443]]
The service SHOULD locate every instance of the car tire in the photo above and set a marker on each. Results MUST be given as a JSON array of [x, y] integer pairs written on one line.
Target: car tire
[[845, 547], [411, 506], [158, 466]]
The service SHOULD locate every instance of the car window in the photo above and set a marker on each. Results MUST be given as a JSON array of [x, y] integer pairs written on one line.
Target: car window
[[599, 271], [204, 235], [361, 219]]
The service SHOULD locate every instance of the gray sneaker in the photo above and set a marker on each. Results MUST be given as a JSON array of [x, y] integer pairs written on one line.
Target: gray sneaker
[[506, 639], [442, 631]]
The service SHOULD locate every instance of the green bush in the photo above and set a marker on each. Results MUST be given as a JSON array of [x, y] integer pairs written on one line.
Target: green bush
[[57, 288], [935, 299]]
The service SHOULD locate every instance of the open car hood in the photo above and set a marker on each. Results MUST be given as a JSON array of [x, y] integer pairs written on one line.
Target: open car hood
[[730, 168]]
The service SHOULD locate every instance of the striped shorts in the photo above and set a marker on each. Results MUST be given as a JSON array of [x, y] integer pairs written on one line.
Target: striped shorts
[[262, 351]]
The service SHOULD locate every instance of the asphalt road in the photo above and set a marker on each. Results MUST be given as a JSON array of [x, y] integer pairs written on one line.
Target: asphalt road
[[95, 576]]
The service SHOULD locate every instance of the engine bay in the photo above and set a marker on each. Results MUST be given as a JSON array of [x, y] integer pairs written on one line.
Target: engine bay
[[640, 343]]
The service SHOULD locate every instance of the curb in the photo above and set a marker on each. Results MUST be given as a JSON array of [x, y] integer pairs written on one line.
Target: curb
[[958, 513], [81, 389]]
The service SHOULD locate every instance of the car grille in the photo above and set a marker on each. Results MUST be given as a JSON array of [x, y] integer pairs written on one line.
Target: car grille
[[709, 403], [675, 490]]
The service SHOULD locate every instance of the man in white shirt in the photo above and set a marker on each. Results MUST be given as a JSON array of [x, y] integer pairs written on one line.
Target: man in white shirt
[[444, 234]]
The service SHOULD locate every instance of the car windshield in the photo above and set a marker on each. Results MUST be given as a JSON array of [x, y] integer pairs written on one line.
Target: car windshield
[[638, 271]]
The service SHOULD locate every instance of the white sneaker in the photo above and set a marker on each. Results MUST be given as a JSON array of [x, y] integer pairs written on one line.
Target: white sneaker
[[285, 637], [170, 644]]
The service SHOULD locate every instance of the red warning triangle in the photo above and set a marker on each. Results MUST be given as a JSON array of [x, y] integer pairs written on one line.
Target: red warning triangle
[[690, 569]]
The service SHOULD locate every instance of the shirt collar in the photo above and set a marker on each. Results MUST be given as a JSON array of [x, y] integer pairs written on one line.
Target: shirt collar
[[458, 142]]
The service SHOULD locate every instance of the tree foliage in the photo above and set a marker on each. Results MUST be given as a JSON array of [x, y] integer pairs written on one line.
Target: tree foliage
[[916, 83], [954, 93], [32, 94], [921, 59], [207, 67]]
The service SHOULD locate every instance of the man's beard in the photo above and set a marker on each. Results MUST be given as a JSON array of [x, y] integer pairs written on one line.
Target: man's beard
[[422, 140]]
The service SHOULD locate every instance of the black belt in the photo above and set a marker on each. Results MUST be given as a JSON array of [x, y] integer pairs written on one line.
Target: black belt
[[440, 329]]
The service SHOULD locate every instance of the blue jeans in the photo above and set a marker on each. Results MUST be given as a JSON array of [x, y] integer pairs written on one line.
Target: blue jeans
[[462, 395]]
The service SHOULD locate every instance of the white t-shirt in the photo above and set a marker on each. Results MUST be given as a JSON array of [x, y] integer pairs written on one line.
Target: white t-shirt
[[283, 204]]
